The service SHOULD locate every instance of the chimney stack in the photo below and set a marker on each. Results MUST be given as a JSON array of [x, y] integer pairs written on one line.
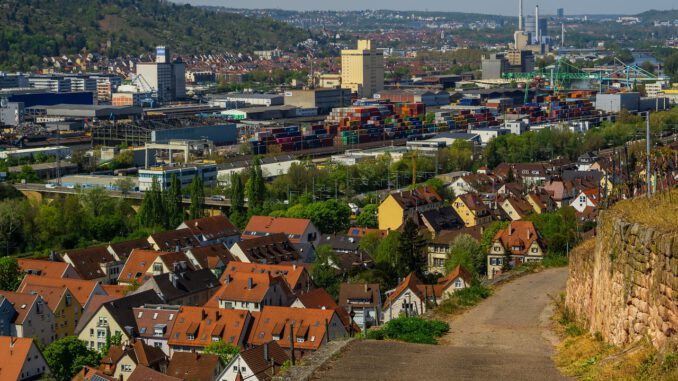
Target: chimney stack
[[520, 15], [536, 25]]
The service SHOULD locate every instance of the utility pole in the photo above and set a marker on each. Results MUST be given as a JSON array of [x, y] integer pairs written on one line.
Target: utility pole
[[647, 169]]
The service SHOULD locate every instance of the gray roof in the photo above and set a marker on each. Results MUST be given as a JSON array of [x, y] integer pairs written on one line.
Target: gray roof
[[187, 283]]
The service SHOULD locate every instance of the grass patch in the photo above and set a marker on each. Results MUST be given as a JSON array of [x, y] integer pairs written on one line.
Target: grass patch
[[411, 330], [555, 260], [464, 298]]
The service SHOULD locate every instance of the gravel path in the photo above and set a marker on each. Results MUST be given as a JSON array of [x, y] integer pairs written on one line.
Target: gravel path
[[503, 338]]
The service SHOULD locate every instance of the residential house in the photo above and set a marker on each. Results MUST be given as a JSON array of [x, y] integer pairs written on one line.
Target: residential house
[[347, 249], [94, 263], [122, 360], [122, 250], [214, 257], [586, 201], [481, 184], [437, 220], [195, 366], [319, 298], [297, 230], [562, 192], [213, 230], [459, 278], [83, 290], [516, 208], [65, 307], [439, 246], [592, 179], [471, 209], [398, 207], [47, 268], [406, 299], [586, 160], [144, 264], [309, 328], [520, 242], [92, 374], [252, 291], [173, 240], [361, 232], [511, 189], [363, 300], [274, 249], [259, 363], [7, 314], [297, 277], [144, 373], [530, 174], [112, 318], [197, 327], [21, 359], [32, 317], [183, 286], [155, 323], [541, 201]]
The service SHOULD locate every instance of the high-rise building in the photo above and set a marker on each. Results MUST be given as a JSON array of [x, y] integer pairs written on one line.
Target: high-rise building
[[166, 78], [533, 29], [362, 69], [560, 13]]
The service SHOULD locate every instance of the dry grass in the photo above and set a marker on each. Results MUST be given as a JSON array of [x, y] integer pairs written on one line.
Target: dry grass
[[659, 211]]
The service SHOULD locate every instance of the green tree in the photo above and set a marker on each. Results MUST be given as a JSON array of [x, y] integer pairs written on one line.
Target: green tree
[[174, 208], [411, 251], [10, 223], [468, 253], [329, 216], [256, 187], [151, 211], [324, 272], [222, 349], [10, 274], [368, 217], [28, 174], [387, 252], [237, 196], [125, 185], [65, 357], [115, 340], [197, 208], [490, 232], [370, 244]]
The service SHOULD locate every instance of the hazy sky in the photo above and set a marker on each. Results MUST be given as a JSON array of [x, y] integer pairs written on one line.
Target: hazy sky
[[505, 7]]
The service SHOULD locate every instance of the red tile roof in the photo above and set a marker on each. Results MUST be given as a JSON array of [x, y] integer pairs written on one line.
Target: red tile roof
[[13, 351], [318, 298], [208, 256], [212, 228], [518, 237], [309, 323], [194, 366], [43, 267], [245, 287], [147, 317], [87, 262], [81, 289], [259, 226], [291, 273], [202, 323], [412, 283], [51, 295]]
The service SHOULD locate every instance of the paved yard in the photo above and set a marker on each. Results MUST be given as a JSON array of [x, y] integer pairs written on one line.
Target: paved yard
[[503, 338]]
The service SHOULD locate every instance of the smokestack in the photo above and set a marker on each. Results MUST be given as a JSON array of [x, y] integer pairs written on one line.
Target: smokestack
[[520, 15], [537, 32]]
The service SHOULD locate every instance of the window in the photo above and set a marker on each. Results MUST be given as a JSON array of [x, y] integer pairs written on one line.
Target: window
[[91, 332], [190, 337], [101, 333], [534, 250], [215, 338], [458, 283], [300, 340], [126, 368], [157, 344], [157, 267]]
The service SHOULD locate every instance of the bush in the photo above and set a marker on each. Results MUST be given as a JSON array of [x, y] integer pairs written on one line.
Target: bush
[[411, 330], [464, 298], [555, 260]]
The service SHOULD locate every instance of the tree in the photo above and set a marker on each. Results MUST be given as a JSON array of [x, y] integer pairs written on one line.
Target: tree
[[368, 217], [197, 208], [370, 244], [151, 211], [410, 251], [256, 188], [10, 274], [10, 223], [324, 272], [237, 195], [329, 216], [125, 185], [174, 208], [28, 174], [490, 232], [222, 349], [65, 357], [115, 340], [468, 253]]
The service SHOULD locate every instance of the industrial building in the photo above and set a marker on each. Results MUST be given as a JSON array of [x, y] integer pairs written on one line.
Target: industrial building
[[241, 100], [513, 61], [81, 112], [633, 102], [185, 175], [322, 99], [61, 151], [167, 79], [362, 69], [427, 97]]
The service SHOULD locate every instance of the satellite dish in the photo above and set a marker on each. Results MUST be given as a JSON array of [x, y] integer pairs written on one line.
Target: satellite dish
[[3, 102]]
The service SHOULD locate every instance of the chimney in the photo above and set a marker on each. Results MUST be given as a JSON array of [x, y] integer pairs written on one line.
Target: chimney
[[203, 314], [249, 283], [217, 315], [509, 230], [266, 352], [520, 15], [365, 287], [529, 234], [294, 266], [536, 25]]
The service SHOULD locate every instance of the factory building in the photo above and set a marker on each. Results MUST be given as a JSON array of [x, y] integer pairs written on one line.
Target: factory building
[[185, 175], [322, 99], [166, 78], [362, 69]]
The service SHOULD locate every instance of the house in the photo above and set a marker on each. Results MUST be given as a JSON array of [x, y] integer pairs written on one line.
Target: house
[[7, 314], [297, 230], [398, 207], [471, 209], [459, 278], [122, 250], [516, 208], [530, 174], [406, 299], [122, 360], [195, 366], [197, 327], [520, 241], [297, 277], [47, 268], [439, 246], [309, 328], [173, 240], [112, 318], [65, 307], [347, 249], [144, 373], [91, 374], [259, 363], [213, 230], [541, 201], [214, 257], [437, 220], [21, 359], [511, 189], [32, 318], [155, 323], [141, 265], [361, 232], [252, 291], [274, 248], [586, 160], [183, 286], [586, 199], [94, 263], [319, 298], [363, 300], [562, 192], [479, 183], [82, 290]]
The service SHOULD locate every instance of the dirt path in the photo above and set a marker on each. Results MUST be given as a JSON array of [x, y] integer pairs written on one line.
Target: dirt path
[[503, 338]]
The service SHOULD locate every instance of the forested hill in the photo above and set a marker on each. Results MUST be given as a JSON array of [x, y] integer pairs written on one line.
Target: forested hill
[[32, 29]]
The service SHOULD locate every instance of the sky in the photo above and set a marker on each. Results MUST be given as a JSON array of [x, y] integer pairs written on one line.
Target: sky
[[502, 7]]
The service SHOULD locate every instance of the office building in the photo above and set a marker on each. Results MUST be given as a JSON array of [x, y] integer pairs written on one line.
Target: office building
[[322, 99], [362, 69], [167, 79], [8, 81], [560, 13], [521, 61], [494, 66], [185, 175]]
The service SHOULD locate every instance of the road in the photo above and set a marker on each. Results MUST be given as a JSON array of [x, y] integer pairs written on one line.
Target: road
[[504, 338]]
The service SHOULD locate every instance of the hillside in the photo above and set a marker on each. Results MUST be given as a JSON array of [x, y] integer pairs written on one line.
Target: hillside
[[32, 29], [655, 15]]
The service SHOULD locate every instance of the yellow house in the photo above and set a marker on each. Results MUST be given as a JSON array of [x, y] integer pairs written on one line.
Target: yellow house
[[397, 207], [66, 308], [541, 201], [472, 210]]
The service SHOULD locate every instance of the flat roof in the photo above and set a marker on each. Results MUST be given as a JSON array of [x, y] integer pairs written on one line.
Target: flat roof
[[250, 96], [88, 110]]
